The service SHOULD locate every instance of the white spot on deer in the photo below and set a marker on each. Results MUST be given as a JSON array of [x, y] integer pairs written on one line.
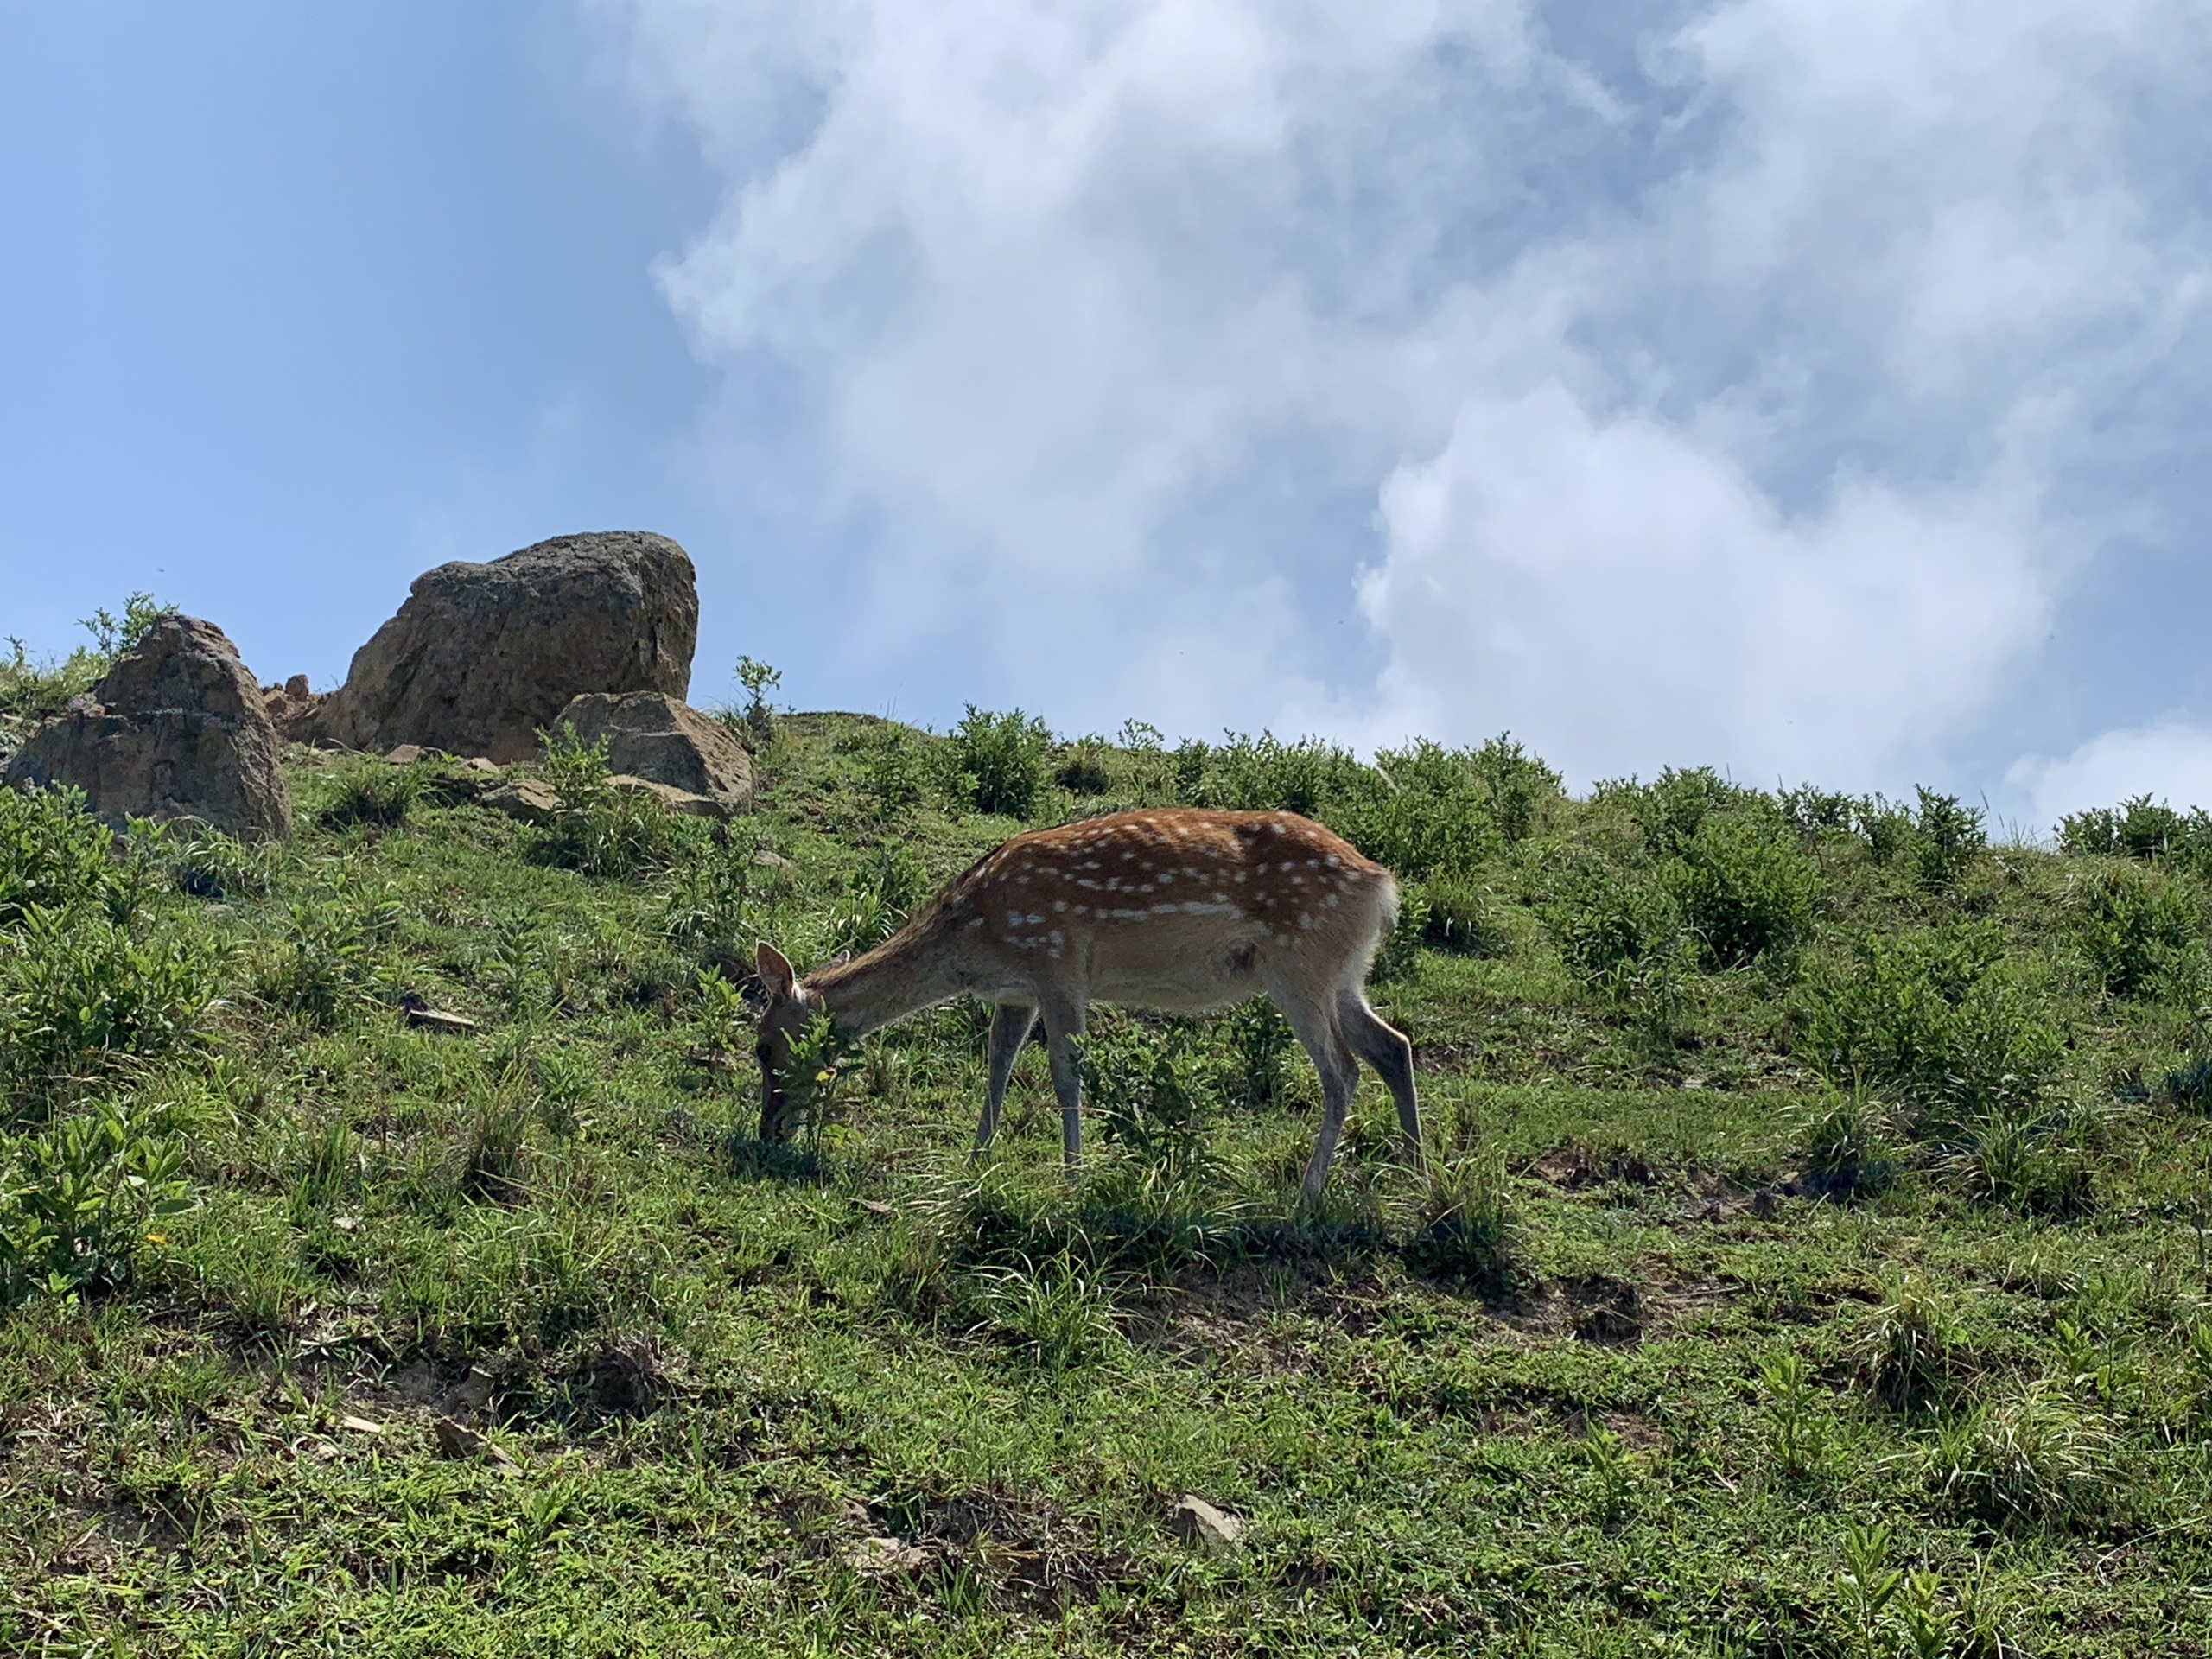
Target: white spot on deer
[[1315, 863], [1334, 860], [1059, 904], [1035, 919], [1083, 910], [1055, 937], [1330, 901], [1305, 919]]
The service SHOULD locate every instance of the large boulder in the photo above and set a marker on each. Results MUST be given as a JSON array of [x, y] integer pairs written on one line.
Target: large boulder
[[481, 656], [660, 740], [178, 730]]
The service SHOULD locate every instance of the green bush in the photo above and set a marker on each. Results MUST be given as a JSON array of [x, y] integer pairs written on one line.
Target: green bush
[[2141, 828], [1461, 918], [2141, 930], [1463, 1224], [1153, 1094], [1743, 889], [1938, 1015], [331, 957], [77, 1198], [998, 761], [1607, 918], [595, 828], [56, 856], [1082, 767], [1951, 836], [77, 991], [1847, 1138]]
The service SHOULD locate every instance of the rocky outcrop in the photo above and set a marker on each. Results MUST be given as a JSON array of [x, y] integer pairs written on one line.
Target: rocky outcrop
[[481, 656], [658, 739], [178, 730], [292, 709]]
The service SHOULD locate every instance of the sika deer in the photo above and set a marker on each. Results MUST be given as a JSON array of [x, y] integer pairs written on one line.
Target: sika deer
[[1176, 909]]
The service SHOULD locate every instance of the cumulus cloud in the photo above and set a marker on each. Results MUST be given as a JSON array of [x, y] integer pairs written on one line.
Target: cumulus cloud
[[2170, 759], [1727, 382]]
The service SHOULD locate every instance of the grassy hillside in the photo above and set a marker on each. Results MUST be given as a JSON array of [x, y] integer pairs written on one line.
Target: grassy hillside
[[1815, 1262]]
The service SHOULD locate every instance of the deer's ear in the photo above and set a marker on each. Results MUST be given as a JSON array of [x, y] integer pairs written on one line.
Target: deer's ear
[[775, 971]]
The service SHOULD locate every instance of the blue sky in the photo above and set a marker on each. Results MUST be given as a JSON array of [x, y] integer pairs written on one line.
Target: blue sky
[[1813, 392]]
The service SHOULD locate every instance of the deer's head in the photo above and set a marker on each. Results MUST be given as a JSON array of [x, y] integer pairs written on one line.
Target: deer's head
[[787, 1016]]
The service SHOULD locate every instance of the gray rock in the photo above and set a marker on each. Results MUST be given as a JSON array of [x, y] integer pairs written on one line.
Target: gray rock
[[1215, 1531], [481, 656], [522, 797], [292, 709], [178, 730], [660, 740]]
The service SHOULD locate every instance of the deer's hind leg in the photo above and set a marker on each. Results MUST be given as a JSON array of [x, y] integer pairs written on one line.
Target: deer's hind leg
[[1010, 1026], [1063, 1023], [1314, 1022], [1384, 1046]]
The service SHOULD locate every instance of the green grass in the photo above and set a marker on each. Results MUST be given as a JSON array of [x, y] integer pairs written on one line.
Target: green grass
[[1813, 1261]]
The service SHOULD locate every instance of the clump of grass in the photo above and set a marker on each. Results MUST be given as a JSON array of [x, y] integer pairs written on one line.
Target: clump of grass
[[2191, 1083], [495, 1160], [2034, 1456], [1460, 918], [1059, 1313], [1462, 1225], [1847, 1139], [372, 791], [2026, 1163], [1909, 1352]]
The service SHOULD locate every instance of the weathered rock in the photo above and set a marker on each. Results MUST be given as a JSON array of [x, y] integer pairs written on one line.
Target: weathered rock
[[481, 656], [178, 730], [292, 709], [522, 797], [1214, 1530], [676, 800], [661, 739], [406, 755]]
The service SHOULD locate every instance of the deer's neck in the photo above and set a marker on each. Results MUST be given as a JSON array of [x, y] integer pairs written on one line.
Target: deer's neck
[[905, 975]]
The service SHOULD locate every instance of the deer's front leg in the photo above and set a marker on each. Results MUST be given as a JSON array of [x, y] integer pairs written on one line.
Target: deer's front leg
[[1063, 1025], [1010, 1026]]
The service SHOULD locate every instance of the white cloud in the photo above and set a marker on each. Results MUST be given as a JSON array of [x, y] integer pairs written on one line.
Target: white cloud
[[1616, 592], [2170, 759], [1714, 388]]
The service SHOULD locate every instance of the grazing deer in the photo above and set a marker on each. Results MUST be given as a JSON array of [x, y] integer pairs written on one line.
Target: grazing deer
[[1175, 909]]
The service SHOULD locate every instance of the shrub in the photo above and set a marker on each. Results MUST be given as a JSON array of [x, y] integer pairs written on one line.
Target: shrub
[[2141, 829], [598, 829], [759, 718], [998, 760], [1260, 1046], [32, 691], [77, 991], [56, 857], [1670, 809], [1460, 918], [1797, 1431], [2140, 931], [1607, 919], [893, 776], [1152, 1094], [1432, 812], [329, 958], [77, 1200], [1950, 837], [1082, 767], [1939, 1015], [1744, 889]]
